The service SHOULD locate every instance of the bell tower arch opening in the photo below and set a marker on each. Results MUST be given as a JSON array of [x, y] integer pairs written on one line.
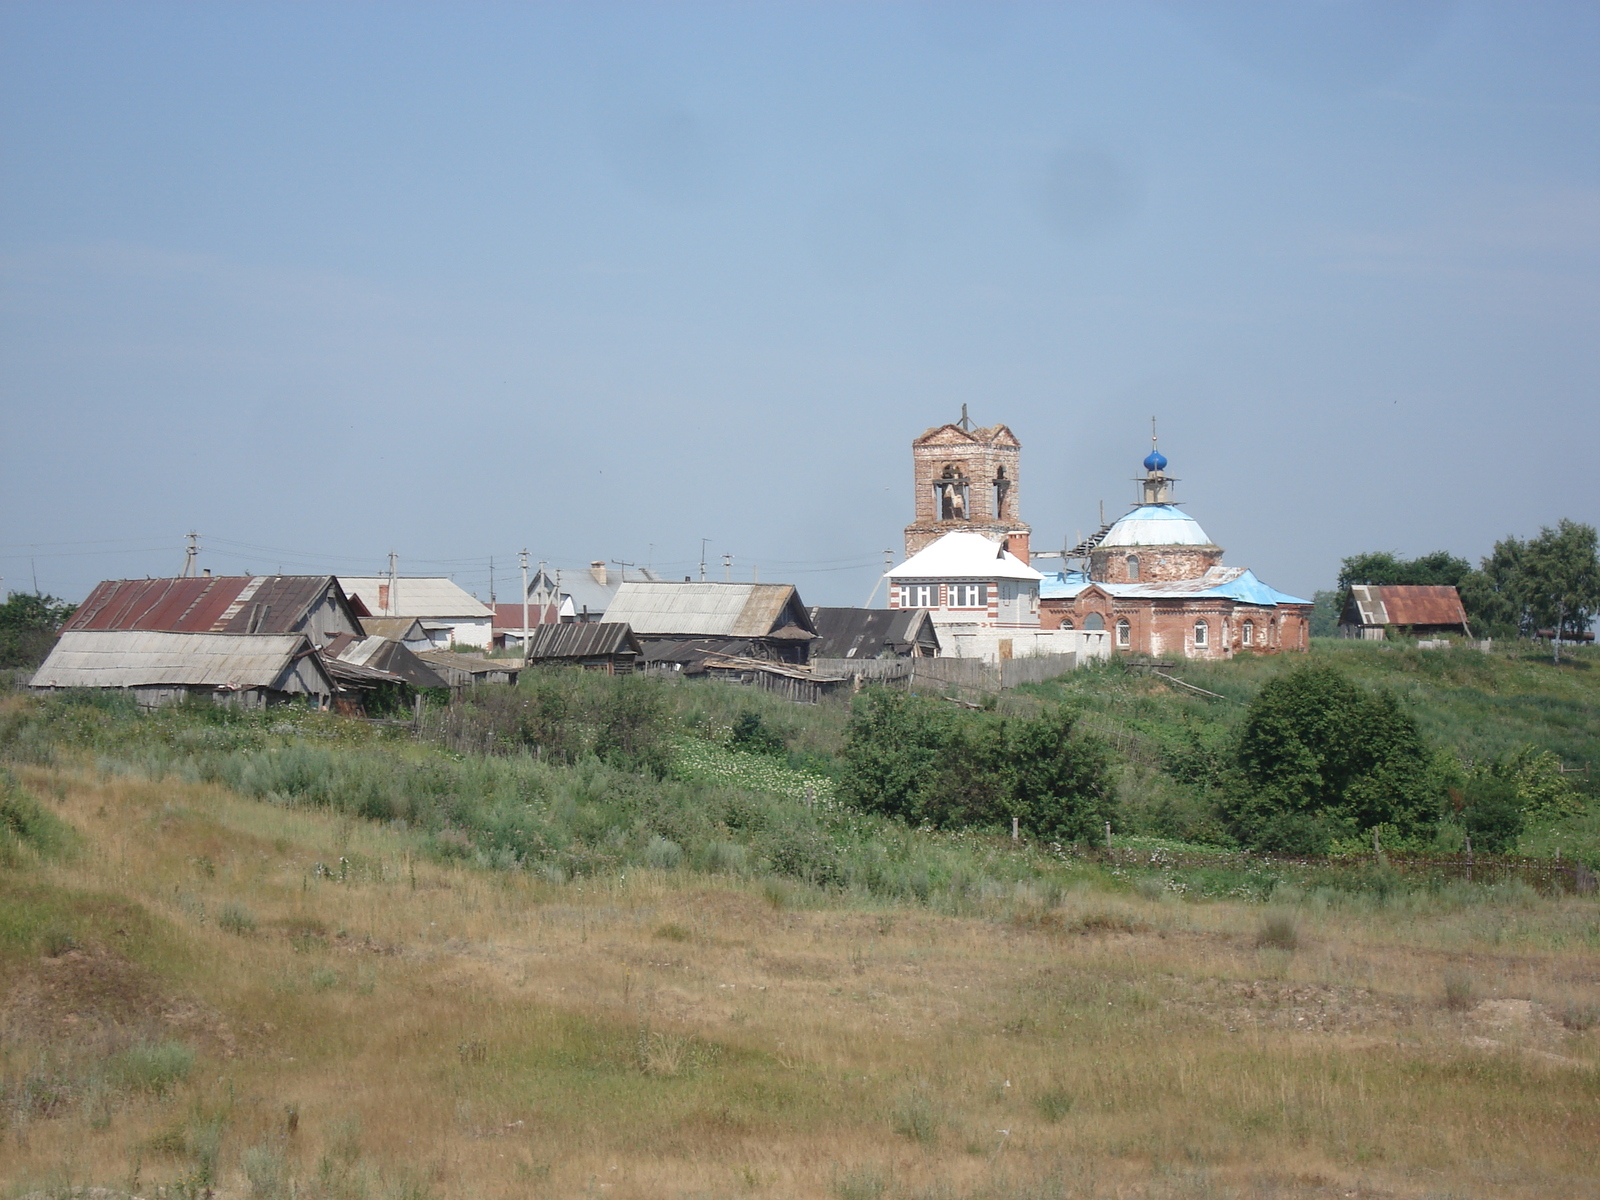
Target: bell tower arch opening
[[967, 478]]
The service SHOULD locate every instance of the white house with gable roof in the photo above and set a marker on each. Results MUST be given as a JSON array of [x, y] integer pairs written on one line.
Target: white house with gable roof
[[984, 601], [448, 613]]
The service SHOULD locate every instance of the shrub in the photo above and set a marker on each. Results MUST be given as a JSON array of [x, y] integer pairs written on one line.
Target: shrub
[[1054, 1105], [917, 1117], [751, 732], [236, 918], [27, 828], [1319, 756], [1278, 931], [1458, 991], [153, 1066]]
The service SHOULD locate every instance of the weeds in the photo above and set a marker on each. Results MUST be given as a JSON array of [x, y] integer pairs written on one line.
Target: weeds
[[155, 1067], [236, 918], [859, 1183], [1279, 931], [1458, 991], [917, 1117]]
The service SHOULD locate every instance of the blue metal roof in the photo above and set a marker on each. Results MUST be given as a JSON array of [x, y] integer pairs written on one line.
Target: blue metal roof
[[1231, 583]]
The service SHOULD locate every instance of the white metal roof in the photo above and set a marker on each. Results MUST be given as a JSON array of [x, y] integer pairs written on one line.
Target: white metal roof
[[964, 556], [414, 597], [142, 658], [702, 609], [1156, 525]]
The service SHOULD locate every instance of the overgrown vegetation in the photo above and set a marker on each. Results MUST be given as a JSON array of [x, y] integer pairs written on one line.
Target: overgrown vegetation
[[29, 622]]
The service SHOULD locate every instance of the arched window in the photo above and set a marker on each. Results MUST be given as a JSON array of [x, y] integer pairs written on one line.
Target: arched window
[[1094, 621], [1202, 632], [1066, 623], [1133, 568], [1247, 633], [1124, 633]]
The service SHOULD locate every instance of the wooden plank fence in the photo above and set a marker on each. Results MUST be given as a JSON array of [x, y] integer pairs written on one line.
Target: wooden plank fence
[[946, 673]]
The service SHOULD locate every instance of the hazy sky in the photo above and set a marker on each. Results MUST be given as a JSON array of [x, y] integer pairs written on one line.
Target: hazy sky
[[325, 280]]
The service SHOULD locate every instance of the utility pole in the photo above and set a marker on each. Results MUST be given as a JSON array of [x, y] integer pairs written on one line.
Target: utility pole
[[190, 555], [394, 579], [727, 568], [491, 582], [542, 603], [703, 542], [525, 638]]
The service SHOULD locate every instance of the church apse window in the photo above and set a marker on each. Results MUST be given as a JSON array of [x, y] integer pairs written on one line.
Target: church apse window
[[1133, 568], [952, 495], [1094, 621], [1124, 633], [1202, 633], [1247, 633]]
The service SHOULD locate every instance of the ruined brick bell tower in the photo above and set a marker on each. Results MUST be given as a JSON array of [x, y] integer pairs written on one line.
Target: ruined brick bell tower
[[967, 479]]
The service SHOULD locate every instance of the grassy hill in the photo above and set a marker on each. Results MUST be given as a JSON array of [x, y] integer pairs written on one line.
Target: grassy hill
[[294, 955]]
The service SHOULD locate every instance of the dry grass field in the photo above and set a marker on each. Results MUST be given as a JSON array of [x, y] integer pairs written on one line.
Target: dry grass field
[[220, 995]]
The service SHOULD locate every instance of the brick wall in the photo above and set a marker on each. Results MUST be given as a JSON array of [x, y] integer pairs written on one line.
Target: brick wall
[[1157, 564]]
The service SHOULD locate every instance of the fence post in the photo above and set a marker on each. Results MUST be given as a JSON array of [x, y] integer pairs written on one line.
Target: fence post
[[1108, 836], [1013, 829]]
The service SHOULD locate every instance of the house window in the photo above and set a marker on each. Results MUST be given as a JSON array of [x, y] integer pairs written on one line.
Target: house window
[[971, 595], [1094, 621], [924, 595], [1133, 568], [1247, 633], [1124, 633], [1202, 631]]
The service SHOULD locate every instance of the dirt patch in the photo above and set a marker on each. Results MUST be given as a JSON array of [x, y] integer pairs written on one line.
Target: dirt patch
[[1277, 1004], [93, 994]]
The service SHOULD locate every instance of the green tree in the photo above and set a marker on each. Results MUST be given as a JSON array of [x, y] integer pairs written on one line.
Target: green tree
[[1325, 609], [1384, 569], [1561, 579], [1320, 758], [29, 623], [892, 746]]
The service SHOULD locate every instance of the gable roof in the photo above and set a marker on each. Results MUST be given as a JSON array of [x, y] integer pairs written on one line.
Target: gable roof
[[509, 616], [870, 632], [740, 610], [1405, 605], [145, 658], [414, 596], [951, 434], [964, 555], [399, 629], [235, 604]]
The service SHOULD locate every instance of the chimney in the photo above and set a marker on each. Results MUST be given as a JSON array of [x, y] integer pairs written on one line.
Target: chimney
[[1017, 544], [597, 571], [207, 572]]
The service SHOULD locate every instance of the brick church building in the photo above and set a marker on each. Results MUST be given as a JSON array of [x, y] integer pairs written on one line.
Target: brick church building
[[1156, 582]]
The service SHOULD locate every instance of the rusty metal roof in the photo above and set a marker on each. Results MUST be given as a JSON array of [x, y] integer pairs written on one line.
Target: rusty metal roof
[[215, 604], [1407, 605]]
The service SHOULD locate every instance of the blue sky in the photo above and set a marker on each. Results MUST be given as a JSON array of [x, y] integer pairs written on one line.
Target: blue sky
[[599, 280]]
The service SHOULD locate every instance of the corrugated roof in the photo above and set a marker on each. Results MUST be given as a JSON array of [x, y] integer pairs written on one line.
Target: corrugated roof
[[414, 596], [1232, 583], [142, 658], [468, 663], [1408, 605], [215, 604], [582, 639], [964, 556], [386, 656], [749, 610], [1155, 525]]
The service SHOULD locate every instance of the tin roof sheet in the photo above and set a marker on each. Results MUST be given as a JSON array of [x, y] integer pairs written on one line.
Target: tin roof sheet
[[1232, 583], [1155, 525], [140, 658], [1408, 605], [209, 604]]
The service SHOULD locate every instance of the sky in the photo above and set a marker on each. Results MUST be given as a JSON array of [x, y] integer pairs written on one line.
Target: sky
[[599, 281]]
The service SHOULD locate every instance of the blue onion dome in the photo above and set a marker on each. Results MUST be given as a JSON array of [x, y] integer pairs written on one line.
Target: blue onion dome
[[1155, 461]]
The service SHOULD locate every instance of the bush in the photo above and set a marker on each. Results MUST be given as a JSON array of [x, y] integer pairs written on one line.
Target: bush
[[155, 1067], [27, 828], [908, 757], [1319, 758]]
